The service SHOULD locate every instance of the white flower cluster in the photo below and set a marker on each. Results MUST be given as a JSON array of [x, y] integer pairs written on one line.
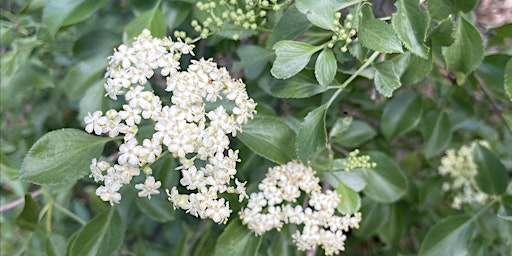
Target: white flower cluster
[[276, 205], [459, 165], [187, 130]]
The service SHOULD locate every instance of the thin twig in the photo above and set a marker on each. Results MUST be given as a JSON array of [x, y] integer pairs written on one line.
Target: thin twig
[[19, 201]]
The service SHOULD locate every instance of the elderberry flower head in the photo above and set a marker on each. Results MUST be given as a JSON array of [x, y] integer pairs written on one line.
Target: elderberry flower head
[[191, 128], [460, 167], [275, 205]]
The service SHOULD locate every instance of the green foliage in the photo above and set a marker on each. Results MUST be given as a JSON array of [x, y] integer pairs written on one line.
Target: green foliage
[[407, 81]]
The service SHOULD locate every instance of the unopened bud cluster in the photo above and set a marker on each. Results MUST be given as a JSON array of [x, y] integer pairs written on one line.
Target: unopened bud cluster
[[461, 169], [343, 33], [354, 160], [276, 204], [185, 128], [230, 15]]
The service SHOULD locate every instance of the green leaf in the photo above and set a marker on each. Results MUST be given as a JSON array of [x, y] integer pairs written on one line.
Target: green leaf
[[442, 34], [325, 67], [83, 11], [411, 24], [492, 177], [312, 133], [448, 237], [386, 182], [401, 115], [395, 226], [61, 157], [319, 12], [340, 126], [414, 68], [357, 133], [291, 58], [82, 76], [290, 26], [436, 133], [376, 34], [374, 214], [152, 19], [175, 12], [505, 210], [58, 13], [466, 52], [253, 59], [440, 9], [93, 99], [31, 76], [302, 85], [269, 137], [156, 208], [386, 78], [508, 79], [237, 240], [55, 245], [29, 217], [103, 235], [350, 200]]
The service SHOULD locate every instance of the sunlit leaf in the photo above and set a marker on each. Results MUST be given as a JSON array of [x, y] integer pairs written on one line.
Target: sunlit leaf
[[376, 34], [325, 67], [319, 12], [350, 200], [386, 78], [411, 24], [291, 58]]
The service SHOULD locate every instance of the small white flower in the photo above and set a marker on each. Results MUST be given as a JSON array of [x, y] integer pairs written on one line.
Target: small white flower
[[95, 122], [150, 187]]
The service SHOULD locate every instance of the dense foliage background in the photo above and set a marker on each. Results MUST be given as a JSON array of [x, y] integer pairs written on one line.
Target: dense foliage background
[[413, 80]]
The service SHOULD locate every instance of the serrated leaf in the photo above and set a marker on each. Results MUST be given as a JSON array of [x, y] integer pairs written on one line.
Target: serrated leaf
[[290, 26], [350, 200], [61, 157], [29, 216], [415, 68], [312, 134], [357, 133], [253, 59], [442, 34], [373, 213], [401, 115], [152, 19], [386, 182], [411, 24], [58, 13], [319, 12], [466, 52], [376, 34], [269, 137], [448, 237], [291, 58], [103, 235], [237, 240], [508, 79], [325, 67], [437, 134], [302, 85], [440, 9], [386, 79], [492, 176], [156, 208]]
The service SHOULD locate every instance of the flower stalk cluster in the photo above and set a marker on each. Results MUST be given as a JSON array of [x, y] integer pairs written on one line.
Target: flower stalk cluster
[[343, 32], [276, 204], [191, 128], [460, 167]]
